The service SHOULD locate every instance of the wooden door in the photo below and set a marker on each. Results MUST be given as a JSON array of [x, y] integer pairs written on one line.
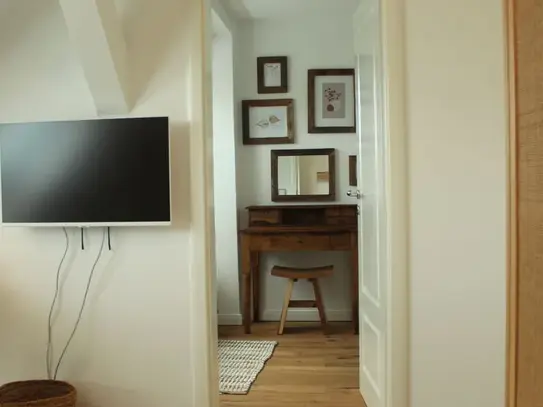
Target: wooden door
[[525, 373]]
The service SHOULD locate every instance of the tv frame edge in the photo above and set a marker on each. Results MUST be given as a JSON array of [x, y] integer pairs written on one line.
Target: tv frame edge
[[79, 225], [87, 225]]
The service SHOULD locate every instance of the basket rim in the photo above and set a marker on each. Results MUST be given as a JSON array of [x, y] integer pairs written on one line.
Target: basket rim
[[71, 393]]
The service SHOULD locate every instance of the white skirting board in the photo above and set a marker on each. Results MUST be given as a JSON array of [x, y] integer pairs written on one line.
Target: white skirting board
[[294, 315], [302, 315]]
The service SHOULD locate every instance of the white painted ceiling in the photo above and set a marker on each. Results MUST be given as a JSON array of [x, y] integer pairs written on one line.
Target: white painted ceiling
[[274, 9]]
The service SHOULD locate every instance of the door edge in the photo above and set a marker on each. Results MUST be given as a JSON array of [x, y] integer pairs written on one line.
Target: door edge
[[512, 212], [393, 42]]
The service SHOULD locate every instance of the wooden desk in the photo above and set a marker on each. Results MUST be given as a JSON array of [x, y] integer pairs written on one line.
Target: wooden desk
[[295, 228]]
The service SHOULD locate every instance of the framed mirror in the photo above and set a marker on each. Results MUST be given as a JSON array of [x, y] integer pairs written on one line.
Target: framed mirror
[[303, 175]]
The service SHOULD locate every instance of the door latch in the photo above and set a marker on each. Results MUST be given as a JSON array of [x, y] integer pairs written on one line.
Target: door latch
[[356, 194]]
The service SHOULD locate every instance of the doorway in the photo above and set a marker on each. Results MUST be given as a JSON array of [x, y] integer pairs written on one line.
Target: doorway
[[393, 332]]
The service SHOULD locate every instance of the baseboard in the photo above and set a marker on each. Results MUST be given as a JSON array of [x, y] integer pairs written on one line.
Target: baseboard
[[229, 319], [302, 315], [294, 315]]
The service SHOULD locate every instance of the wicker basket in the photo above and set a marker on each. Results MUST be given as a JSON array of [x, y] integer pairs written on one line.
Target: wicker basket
[[38, 393]]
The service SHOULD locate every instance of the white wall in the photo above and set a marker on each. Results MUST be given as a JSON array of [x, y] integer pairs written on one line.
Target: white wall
[[310, 41], [134, 345], [457, 155], [224, 174]]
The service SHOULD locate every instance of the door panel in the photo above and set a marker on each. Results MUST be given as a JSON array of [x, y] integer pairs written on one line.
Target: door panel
[[370, 336], [372, 219], [370, 280]]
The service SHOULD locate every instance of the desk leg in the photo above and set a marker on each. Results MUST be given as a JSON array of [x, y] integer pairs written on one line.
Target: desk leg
[[354, 287], [246, 283], [255, 275]]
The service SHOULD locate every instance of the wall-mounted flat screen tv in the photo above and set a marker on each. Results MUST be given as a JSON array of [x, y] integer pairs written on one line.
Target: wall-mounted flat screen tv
[[105, 172]]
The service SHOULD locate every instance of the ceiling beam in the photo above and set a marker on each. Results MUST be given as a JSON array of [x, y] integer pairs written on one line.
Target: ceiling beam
[[96, 33]]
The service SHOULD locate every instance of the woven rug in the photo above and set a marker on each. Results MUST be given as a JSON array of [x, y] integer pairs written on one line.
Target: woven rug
[[240, 362]]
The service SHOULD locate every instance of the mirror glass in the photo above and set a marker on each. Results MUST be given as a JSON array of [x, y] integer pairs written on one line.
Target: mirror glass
[[303, 175]]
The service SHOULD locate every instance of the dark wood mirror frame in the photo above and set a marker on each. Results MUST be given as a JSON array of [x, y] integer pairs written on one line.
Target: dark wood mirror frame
[[331, 196]]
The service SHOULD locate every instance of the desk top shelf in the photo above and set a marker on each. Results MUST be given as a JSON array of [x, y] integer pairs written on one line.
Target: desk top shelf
[[325, 217]]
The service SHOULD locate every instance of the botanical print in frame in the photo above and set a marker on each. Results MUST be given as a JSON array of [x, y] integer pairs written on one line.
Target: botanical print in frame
[[332, 101], [268, 121], [272, 74]]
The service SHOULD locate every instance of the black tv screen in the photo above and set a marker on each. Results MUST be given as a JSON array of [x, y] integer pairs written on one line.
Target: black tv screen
[[110, 172]]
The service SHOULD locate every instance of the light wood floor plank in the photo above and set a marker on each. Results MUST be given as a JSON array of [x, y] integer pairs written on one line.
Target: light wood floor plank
[[308, 368]]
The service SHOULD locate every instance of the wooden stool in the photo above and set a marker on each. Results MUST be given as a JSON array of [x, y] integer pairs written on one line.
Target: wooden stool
[[294, 274]]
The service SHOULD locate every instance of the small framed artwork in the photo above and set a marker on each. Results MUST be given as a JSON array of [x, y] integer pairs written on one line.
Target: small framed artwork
[[352, 171], [272, 74], [268, 121], [331, 99]]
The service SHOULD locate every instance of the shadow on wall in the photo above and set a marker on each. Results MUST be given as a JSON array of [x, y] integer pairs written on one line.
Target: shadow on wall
[[180, 168], [25, 314], [246, 156], [153, 29]]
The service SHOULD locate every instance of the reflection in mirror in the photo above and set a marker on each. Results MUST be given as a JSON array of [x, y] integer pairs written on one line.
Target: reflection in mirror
[[303, 175]]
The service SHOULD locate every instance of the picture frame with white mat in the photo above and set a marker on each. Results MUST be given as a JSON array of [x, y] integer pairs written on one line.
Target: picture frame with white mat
[[269, 121]]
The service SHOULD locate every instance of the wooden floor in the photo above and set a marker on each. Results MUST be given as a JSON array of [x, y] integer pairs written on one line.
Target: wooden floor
[[307, 368]]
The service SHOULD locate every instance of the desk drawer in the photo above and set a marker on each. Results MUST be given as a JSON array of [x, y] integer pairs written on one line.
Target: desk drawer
[[342, 220], [264, 217], [292, 243], [341, 242], [349, 211]]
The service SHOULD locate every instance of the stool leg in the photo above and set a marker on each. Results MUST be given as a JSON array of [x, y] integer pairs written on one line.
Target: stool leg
[[318, 299], [288, 294]]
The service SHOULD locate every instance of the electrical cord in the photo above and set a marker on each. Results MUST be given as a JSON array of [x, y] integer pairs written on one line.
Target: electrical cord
[[83, 303], [53, 303]]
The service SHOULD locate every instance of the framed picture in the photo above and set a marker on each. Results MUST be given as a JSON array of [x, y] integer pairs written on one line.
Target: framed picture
[[268, 121], [331, 99], [272, 74]]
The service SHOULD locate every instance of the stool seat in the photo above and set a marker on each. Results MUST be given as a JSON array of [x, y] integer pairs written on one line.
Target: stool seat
[[303, 273], [293, 274]]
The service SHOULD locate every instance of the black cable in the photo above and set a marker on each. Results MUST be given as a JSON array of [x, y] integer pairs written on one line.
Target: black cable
[[83, 303], [82, 239], [53, 303], [108, 238]]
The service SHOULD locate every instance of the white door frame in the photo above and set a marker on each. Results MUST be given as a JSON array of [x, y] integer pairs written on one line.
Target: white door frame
[[393, 39], [203, 329]]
